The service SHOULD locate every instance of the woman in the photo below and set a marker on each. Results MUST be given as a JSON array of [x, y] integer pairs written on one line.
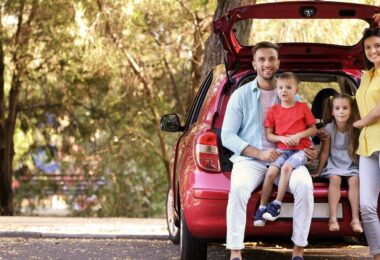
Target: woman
[[368, 100]]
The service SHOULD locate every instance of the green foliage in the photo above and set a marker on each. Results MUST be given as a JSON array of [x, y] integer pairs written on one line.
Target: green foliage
[[99, 76], [104, 74]]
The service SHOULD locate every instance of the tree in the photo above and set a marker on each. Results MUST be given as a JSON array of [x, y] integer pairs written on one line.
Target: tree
[[213, 48], [20, 40], [25, 59]]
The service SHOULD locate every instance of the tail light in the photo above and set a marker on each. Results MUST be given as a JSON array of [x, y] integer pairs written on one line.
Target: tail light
[[206, 152]]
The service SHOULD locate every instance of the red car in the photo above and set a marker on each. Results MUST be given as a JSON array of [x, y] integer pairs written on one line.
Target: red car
[[200, 166]]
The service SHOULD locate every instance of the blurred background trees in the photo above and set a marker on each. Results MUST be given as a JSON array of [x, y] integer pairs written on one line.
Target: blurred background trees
[[83, 85]]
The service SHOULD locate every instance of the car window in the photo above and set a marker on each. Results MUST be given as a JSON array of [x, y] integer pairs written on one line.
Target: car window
[[345, 32], [308, 90], [195, 108]]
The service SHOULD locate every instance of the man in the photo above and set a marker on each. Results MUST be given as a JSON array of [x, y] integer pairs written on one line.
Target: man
[[243, 133]]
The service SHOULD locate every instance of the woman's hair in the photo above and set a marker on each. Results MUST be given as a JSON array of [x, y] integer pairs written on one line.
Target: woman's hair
[[353, 133], [369, 32]]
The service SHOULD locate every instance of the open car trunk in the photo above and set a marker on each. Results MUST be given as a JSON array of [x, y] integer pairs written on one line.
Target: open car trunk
[[295, 55]]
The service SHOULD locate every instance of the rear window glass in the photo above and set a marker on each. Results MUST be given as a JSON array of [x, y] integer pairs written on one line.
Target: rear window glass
[[308, 90], [344, 32]]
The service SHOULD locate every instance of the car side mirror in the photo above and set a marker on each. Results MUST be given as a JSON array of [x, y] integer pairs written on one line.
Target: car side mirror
[[171, 123]]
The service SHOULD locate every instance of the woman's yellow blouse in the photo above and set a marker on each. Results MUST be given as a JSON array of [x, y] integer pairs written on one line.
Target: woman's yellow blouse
[[367, 97]]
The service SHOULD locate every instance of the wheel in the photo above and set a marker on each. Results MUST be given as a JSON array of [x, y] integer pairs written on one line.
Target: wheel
[[170, 218], [191, 247]]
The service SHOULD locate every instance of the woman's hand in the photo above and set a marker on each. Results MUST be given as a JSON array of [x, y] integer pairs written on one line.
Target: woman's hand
[[358, 124]]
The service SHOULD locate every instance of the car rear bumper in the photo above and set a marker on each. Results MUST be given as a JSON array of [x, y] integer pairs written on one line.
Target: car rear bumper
[[205, 215]]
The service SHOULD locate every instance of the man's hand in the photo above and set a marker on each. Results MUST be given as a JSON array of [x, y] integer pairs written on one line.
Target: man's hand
[[376, 18], [311, 153], [269, 155]]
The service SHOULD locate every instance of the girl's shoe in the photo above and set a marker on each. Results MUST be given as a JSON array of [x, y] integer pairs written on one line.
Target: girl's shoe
[[333, 225], [356, 226]]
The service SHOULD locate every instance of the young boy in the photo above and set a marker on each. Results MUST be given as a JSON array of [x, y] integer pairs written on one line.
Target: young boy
[[290, 124]]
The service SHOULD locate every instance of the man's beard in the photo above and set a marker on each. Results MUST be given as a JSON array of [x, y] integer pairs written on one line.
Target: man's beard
[[267, 77]]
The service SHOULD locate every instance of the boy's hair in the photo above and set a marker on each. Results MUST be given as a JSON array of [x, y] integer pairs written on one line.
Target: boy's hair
[[264, 44], [353, 133], [289, 75]]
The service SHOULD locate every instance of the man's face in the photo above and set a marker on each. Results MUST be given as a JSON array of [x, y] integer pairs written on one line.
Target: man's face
[[266, 63]]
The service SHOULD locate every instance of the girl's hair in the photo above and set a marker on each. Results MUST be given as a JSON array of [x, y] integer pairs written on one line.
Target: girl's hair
[[369, 32], [353, 133]]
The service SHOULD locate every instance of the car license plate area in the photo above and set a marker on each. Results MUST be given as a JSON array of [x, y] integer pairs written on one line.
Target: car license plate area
[[321, 210]]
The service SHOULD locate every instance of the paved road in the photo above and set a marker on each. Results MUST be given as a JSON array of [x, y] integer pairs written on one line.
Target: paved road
[[125, 238], [49, 248]]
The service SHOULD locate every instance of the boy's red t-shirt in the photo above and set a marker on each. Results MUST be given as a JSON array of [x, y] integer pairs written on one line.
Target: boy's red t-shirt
[[289, 121]]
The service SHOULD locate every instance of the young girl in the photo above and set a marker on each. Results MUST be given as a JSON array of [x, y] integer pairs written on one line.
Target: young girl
[[338, 150]]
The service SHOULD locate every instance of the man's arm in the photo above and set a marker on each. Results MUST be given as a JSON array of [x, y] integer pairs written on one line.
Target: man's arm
[[263, 155], [232, 123], [233, 120]]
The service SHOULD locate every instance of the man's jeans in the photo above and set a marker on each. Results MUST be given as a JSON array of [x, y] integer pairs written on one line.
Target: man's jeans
[[246, 176]]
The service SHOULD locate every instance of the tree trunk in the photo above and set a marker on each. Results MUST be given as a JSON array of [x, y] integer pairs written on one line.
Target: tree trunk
[[8, 125], [213, 48], [4, 186]]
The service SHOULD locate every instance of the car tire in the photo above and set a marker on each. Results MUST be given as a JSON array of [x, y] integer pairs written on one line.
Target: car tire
[[191, 247], [173, 229]]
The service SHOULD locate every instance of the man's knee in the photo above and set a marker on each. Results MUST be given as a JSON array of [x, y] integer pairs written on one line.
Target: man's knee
[[240, 192], [301, 183]]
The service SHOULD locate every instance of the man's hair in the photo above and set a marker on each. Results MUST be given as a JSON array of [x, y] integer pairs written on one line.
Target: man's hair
[[289, 75], [261, 45]]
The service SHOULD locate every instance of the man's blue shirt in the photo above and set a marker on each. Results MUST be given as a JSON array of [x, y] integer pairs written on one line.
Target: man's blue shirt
[[242, 125]]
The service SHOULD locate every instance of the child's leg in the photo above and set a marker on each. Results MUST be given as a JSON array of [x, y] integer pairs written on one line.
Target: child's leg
[[286, 169], [274, 208], [298, 158], [270, 176], [334, 197], [353, 196], [334, 194]]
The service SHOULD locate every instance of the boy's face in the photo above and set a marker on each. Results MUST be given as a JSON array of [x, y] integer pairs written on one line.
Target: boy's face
[[287, 89]]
